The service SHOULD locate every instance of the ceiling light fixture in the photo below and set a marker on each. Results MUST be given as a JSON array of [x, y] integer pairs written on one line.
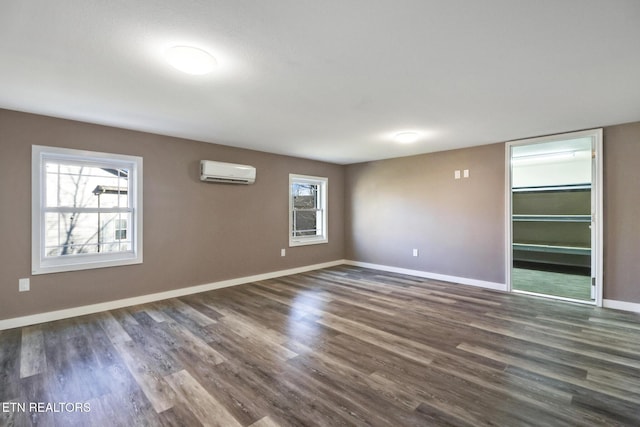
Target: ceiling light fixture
[[407, 137], [190, 60]]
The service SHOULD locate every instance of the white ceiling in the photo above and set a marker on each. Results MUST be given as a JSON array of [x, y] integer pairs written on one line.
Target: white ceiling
[[333, 79]]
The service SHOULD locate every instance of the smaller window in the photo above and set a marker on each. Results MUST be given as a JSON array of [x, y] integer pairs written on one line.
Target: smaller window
[[307, 210]]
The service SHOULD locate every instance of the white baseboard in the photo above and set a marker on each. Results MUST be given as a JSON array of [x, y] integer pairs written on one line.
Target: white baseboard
[[34, 319], [434, 276], [607, 303], [621, 305], [18, 322]]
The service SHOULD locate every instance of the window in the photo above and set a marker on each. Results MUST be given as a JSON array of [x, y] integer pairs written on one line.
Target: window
[[121, 229], [86, 210], [307, 210]]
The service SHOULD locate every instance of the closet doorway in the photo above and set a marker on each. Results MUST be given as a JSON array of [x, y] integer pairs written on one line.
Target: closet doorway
[[554, 220]]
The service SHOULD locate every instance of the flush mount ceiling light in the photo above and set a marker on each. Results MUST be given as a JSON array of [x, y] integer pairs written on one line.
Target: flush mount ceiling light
[[406, 137], [190, 60]]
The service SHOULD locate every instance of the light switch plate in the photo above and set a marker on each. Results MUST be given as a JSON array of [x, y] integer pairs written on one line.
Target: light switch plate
[[466, 173], [24, 285], [456, 174]]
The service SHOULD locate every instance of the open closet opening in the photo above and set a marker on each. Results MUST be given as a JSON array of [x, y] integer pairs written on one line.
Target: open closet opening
[[553, 229]]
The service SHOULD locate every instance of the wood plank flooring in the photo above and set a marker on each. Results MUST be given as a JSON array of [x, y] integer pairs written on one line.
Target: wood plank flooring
[[340, 346]]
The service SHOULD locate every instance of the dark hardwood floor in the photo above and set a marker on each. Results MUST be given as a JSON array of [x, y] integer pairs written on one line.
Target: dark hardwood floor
[[341, 346]]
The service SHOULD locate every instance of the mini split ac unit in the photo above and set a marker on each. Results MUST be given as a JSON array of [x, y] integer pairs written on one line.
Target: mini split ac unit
[[226, 172]]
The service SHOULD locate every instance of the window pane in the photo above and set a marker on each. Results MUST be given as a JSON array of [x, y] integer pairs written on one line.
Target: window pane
[[114, 234], [305, 196], [70, 233], [71, 185], [305, 223], [84, 233]]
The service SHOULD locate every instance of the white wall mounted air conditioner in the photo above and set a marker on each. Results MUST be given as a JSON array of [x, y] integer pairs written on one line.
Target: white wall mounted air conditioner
[[226, 172]]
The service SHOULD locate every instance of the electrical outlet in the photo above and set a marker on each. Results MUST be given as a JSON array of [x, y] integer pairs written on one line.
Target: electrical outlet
[[283, 252], [24, 285], [456, 174], [415, 252]]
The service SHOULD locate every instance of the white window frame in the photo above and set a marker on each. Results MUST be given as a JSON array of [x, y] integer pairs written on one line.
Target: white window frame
[[40, 264], [323, 185]]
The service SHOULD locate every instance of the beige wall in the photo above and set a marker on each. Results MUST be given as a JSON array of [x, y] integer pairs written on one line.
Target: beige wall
[[194, 232], [394, 206], [622, 212]]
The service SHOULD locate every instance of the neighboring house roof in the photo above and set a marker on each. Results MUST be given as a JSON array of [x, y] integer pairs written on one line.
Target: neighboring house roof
[[106, 189]]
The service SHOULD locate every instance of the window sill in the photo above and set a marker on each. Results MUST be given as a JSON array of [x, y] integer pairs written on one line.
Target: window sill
[[88, 263], [305, 242]]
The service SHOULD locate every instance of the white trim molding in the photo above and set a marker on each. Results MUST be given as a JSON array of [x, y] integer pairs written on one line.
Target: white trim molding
[[50, 316], [621, 305], [435, 276]]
